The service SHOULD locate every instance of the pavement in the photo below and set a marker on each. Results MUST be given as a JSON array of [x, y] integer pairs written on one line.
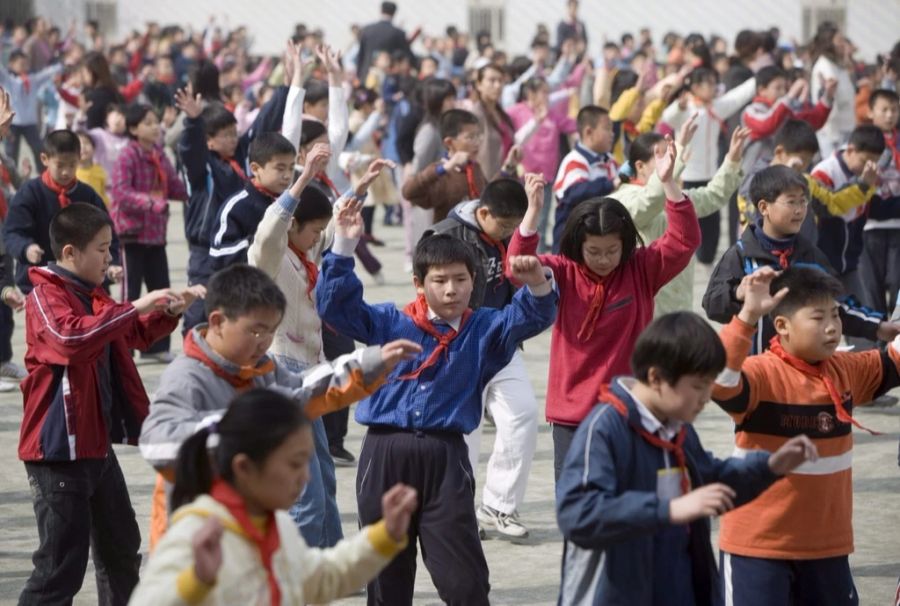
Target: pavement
[[523, 572]]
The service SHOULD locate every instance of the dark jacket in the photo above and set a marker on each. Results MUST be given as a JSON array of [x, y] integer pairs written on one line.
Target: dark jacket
[[615, 525], [100, 99], [379, 36], [747, 256], [235, 227]]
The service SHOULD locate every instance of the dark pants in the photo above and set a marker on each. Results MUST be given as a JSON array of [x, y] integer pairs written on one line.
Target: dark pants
[[765, 582], [82, 504], [879, 270], [562, 439], [368, 215], [371, 264], [437, 466], [710, 227], [6, 332], [32, 135], [198, 272], [333, 346], [145, 264]]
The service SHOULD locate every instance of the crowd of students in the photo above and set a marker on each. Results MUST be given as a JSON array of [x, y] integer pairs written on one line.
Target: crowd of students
[[279, 165]]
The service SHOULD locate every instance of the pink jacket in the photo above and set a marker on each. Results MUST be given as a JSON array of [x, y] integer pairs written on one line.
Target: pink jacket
[[540, 153]]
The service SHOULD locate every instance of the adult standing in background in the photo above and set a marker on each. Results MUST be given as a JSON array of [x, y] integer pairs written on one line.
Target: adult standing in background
[[831, 53], [571, 28], [382, 35]]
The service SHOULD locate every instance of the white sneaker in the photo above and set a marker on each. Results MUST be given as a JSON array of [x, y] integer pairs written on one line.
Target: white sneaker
[[11, 370], [504, 523], [7, 385]]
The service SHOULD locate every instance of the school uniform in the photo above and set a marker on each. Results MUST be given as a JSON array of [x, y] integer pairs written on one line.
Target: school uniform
[[582, 175], [236, 224]]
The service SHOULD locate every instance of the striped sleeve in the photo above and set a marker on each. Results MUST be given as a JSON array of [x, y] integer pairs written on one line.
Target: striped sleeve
[[763, 120], [732, 390], [334, 385]]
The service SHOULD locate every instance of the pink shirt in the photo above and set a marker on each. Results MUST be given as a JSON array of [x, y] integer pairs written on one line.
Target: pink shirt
[[541, 152]]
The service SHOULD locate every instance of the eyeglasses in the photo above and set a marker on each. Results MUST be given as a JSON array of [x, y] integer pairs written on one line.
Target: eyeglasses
[[472, 137], [261, 335], [795, 203]]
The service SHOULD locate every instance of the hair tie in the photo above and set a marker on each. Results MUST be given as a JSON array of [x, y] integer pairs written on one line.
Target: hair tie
[[626, 170], [211, 424]]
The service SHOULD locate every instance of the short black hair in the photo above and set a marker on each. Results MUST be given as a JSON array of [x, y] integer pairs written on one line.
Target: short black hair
[[772, 181], [239, 289], [17, 54], [867, 138], [766, 75], [266, 146], [701, 75], [438, 250], [61, 141], [134, 115], [589, 115], [453, 121], [316, 90], [883, 93], [310, 131], [217, 118], [505, 199], [806, 286], [797, 136], [622, 81], [599, 217], [678, 344], [76, 224], [314, 205], [389, 8]]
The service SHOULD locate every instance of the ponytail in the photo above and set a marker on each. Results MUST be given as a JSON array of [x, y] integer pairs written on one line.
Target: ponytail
[[193, 469], [642, 149]]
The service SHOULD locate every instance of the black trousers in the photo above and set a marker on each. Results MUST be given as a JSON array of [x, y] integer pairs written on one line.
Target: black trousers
[[710, 228], [6, 332], [879, 270], [146, 264], [82, 504], [562, 439], [437, 466], [335, 345], [199, 272]]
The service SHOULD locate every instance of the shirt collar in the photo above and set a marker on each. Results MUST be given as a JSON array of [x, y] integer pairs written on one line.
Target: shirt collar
[[666, 431], [436, 319], [591, 157]]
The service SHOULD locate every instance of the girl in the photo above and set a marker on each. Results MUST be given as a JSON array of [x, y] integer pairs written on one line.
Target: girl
[[712, 111], [606, 289], [100, 90], [498, 128], [230, 540], [142, 183], [832, 55]]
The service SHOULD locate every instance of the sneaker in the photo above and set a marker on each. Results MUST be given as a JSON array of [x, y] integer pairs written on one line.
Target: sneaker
[[884, 401], [7, 385], [163, 357], [342, 457], [11, 370], [504, 523]]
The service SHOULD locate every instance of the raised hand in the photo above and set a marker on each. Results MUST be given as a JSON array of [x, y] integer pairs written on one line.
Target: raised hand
[[456, 161], [188, 102], [396, 351], [706, 501], [792, 454], [736, 147], [6, 113], [331, 59], [207, 547], [534, 189], [372, 173], [512, 158], [665, 161], [796, 89], [869, 174], [155, 300], [527, 270], [317, 159], [348, 222], [687, 130], [398, 505], [758, 300], [34, 253]]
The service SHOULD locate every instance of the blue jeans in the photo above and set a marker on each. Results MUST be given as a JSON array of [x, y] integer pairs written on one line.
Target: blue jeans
[[316, 511]]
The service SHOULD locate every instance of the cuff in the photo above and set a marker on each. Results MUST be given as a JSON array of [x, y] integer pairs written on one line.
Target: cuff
[[344, 246], [439, 169], [287, 204], [382, 542], [525, 232], [191, 589], [542, 290]]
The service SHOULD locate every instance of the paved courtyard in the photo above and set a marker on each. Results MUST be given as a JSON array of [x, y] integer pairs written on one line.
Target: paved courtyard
[[524, 572]]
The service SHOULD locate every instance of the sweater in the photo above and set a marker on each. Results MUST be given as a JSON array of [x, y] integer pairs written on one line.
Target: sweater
[[25, 99], [305, 575], [809, 516], [96, 178], [584, 174], [578, 368], [540, 153], [442, 190]]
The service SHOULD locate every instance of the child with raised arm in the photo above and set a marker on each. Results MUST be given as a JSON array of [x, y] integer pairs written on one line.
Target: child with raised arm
[[607, 284], [416, 422]]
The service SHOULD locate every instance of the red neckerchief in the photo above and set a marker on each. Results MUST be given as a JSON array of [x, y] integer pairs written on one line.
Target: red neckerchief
[[712, 113], [267, 544], [26, 83], [631, 129], [263, 190], [236, 168], [816, 371], [894, 145], [470, 180], [676, 447], [6, 180], [56, 188], [242, 381], [499, 245], [418, 312], [763, 100], [328, 183], [637, 182], [312, 270], [596, 306], [156, 161], [783, 256]]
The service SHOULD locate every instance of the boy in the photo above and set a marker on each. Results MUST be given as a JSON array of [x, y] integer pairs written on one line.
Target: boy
[[794, 540], [83, 393], [418, 419], [228, 356], [780, 196], [457, 176], [24, 91], [89, 172], [272, 166], [26, 231], [637, 489], [588, 171], [486, 225]]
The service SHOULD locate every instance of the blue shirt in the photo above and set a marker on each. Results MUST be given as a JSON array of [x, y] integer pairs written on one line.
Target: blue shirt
[[447, 395]]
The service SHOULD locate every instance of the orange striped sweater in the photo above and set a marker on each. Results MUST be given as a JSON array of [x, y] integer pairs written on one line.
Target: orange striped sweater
[[807, 515]]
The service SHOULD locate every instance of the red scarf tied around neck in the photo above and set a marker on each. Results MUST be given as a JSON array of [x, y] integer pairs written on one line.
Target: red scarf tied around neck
[[242, 381], [263, 190], [418, 312], [267, 543], [57, 189], [156, 161], [470, 181], [676, 447], [817, 372], [312, 270], [596, 305], [236, 167]]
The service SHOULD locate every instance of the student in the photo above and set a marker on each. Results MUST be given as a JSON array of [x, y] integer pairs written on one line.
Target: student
[[24, 91], [89, 172], [486, 225], [796, 537], [780, 196], [638, 489], [80, 369], [458, 175], [230, 539], [26, 232], [416, 422], [607, 283], [588, 171], [143, 181]]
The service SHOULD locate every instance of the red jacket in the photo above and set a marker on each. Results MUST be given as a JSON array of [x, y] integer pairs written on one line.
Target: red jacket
[[579, 367], [63, 418]]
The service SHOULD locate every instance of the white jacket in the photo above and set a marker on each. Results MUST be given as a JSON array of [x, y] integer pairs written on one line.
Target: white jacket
[[703, 162], [299, 336], [842, 119], [305, 575]]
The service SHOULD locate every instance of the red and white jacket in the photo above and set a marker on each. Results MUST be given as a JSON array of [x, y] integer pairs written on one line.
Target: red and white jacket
[[63, 418], [764, 117]]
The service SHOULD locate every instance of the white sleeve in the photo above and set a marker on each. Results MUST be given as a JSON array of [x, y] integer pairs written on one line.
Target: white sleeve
[[292, 123]]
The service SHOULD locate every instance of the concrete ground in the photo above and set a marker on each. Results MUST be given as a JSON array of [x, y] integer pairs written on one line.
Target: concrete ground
[[522, 572]]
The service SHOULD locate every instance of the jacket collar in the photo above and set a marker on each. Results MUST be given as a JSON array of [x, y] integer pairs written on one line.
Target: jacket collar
[[591, 157]]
